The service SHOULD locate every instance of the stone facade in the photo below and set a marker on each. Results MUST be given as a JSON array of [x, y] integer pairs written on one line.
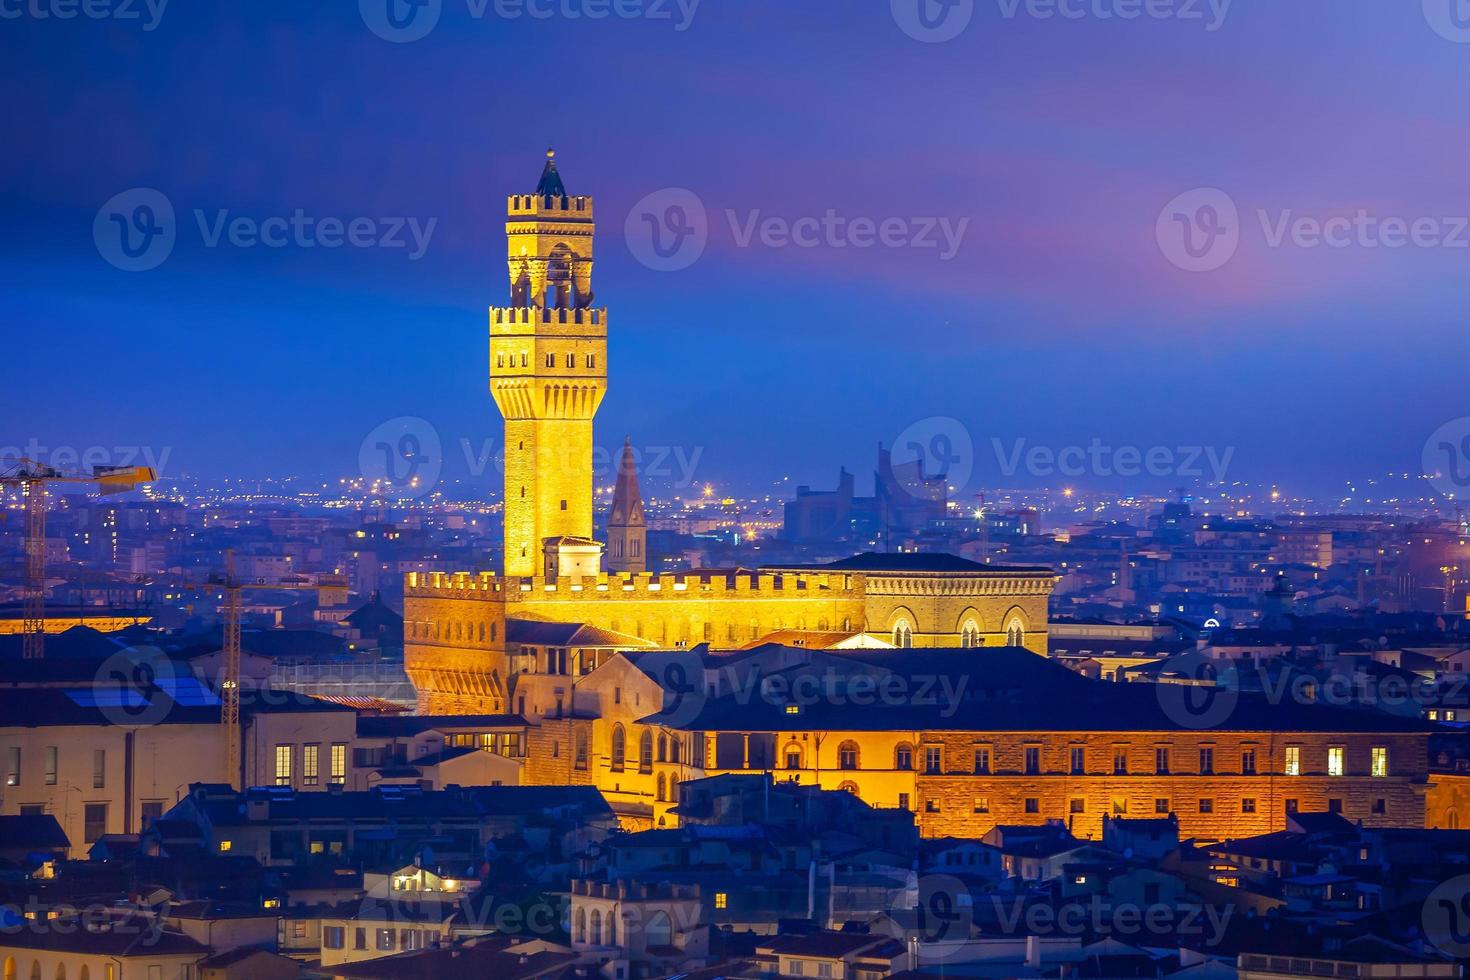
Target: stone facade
[[454, 625]]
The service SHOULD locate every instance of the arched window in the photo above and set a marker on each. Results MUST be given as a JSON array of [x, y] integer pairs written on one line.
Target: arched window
[[970, 634], [847, 755], [596, 927], [849, 787], [579, 748], [1452, 820], [612, 928], [674, 749], [618, 749], [581, 926], [1015, 635], [903, 634], [903, 757], [792, 755], [645, 752], [661, 784], [663, 747]]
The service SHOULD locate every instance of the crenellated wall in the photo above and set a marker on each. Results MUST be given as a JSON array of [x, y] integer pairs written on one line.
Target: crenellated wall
[[454, 625]]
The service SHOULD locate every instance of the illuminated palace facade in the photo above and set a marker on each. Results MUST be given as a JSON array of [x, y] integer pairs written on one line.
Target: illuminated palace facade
[[570, 633]]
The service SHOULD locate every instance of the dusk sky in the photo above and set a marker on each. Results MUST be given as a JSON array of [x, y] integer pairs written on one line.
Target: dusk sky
[[1048, 147]]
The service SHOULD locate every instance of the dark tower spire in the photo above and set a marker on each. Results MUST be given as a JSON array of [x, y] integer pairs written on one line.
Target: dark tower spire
[[627, 528]]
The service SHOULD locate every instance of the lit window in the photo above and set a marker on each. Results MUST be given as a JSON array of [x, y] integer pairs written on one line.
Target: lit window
[[1334, 761], [722, 900], [792, 709], [283, 765], [225, 845], [339, 762], [1293, 760], [309, 755], [1380, 760]]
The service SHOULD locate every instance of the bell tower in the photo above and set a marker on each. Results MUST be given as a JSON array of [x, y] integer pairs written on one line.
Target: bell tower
[[548, 369]]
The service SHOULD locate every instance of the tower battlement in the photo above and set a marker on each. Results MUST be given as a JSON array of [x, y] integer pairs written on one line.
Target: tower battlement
[[535, 319], [556, 208]]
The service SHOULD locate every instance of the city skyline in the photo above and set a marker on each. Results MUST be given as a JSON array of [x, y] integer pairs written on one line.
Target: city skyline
[[1046, 313]]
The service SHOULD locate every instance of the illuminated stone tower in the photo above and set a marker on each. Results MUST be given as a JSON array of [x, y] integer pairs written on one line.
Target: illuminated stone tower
[[627, 529], [548, 370]]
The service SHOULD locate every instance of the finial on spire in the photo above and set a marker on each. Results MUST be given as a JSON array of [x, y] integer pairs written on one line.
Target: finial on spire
[[550, 184]]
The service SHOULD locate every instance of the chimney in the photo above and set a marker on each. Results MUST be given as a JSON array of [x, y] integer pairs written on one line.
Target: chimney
[[1033, 952]]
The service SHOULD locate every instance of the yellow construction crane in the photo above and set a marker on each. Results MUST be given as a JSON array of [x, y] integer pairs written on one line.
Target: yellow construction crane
[[31, 477], [326, 586]]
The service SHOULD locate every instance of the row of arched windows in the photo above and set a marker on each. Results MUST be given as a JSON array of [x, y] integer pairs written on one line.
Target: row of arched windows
[[12, 971], [970, 636], [669, 749]]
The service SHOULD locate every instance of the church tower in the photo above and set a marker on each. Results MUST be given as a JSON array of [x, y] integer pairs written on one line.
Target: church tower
[[627, 529], [548, 370]]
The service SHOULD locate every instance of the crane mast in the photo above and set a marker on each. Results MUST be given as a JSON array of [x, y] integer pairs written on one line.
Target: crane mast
[[31, 478]]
